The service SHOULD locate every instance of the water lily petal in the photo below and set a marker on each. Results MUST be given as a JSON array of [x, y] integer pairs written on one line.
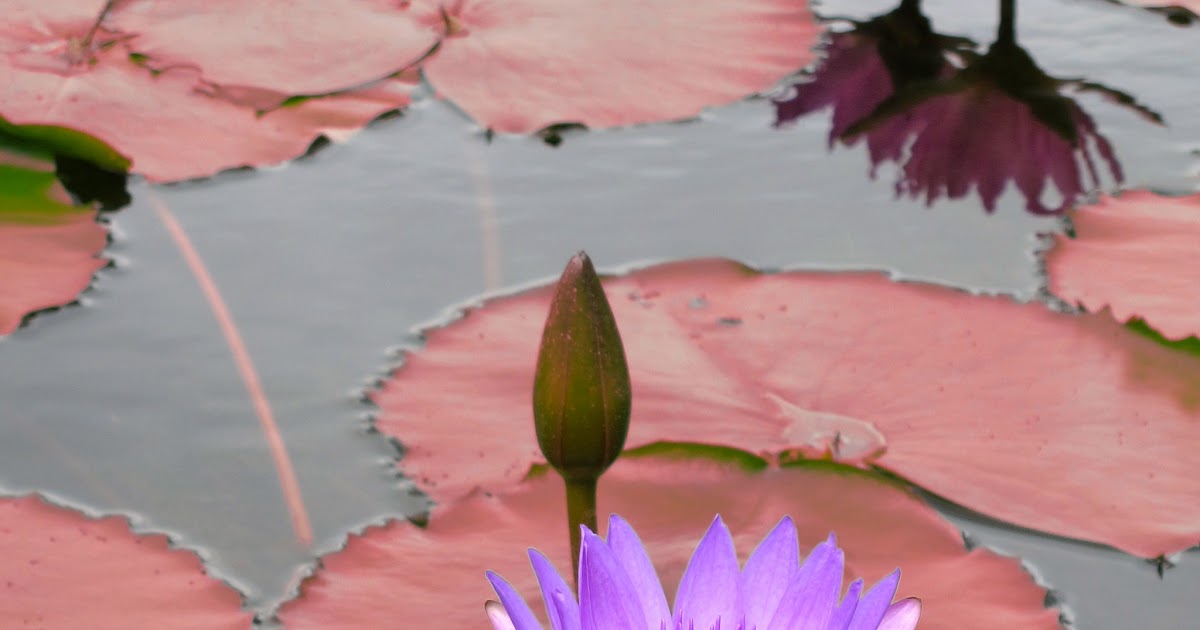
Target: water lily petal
[[809, 601], [708, 592], [902, 615], [770, 569], [845, 611], [607, 597], [558, 595], [875, 603], [626, 545], [520, 617], [498, 616]]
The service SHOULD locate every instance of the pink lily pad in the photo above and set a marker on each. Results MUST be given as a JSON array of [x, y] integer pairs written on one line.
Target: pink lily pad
[[49, 248], [1135, 254], [523, 65], [63, 71], [293, 47], [231, 135], [60, 569], [339, 116], [399, 572], [115, 72], [1068, 424]]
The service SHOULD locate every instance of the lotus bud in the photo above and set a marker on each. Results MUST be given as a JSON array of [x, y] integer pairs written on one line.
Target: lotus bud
[[581, 394]]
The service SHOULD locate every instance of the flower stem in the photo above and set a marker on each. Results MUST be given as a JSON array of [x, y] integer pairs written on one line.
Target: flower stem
[[581, 510], [1007, 33]]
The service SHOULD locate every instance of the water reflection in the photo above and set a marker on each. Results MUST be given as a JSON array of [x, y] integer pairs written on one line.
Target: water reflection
[[953, 119]]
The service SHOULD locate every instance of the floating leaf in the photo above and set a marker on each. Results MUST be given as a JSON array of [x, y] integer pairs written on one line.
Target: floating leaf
[[294, 47], [339, 116], [400, 572], [1137, 255], [523, 65], [1066, 424], [113, 70], [61, 569], [72, 65], [49, 247]]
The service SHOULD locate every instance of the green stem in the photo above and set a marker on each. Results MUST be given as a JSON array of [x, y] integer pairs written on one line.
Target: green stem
[[581, 510]]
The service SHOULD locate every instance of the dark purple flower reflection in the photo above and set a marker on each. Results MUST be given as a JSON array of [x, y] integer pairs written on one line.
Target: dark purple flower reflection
[[954, 119]]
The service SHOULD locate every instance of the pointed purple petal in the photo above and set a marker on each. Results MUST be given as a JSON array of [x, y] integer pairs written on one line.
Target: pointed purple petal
[[558, 595], [519, 614], [903, 615], [626, 545], [809, 602], [875, 603], [607, 598], [708, 592], [845, 611], [769, 572]]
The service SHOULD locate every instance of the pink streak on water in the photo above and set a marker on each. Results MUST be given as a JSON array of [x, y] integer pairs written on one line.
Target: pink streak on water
[[241, 358]]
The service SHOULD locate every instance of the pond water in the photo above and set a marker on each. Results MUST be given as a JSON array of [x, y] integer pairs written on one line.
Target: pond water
[[129, 402]]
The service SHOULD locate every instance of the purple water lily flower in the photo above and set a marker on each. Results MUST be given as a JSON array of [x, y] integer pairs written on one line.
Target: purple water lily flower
[[619, 589]]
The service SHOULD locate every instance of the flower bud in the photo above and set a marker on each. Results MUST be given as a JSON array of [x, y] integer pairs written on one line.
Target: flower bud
[[581, 395]]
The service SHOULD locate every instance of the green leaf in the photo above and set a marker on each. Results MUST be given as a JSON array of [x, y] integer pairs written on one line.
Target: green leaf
[[743, 460], [48, 140], [32, 197], [1191, 345]]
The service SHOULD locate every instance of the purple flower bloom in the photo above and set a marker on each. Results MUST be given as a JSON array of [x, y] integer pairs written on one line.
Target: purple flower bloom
[[619, 590]]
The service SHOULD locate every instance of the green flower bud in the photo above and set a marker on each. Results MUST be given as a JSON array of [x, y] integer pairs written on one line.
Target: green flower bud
[[581, 395]]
